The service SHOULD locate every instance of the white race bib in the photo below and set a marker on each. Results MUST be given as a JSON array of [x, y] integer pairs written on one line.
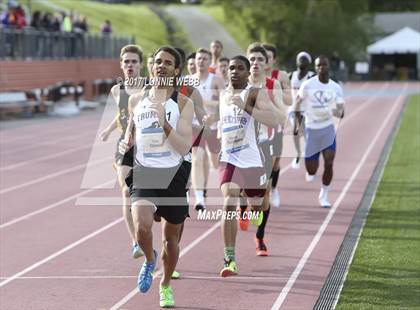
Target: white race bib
[[234, 139], [154, 143]]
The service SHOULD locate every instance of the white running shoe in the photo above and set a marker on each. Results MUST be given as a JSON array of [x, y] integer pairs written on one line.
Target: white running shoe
[[309, 177], [275, 198], [296, 163], [323, 199]]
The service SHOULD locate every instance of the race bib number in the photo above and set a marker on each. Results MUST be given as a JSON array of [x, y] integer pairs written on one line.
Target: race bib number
[[154, 145], [234, 139]]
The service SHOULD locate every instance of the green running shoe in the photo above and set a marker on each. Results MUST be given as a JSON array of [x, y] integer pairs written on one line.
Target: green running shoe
[[230, 269], [175, 275], [257, 221], [166, 297]]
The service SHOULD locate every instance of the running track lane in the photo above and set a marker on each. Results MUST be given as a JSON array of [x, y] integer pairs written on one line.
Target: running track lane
[[106, 255]]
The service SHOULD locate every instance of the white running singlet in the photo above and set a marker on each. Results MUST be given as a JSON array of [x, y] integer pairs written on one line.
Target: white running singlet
[[239, 134], [152, 146]]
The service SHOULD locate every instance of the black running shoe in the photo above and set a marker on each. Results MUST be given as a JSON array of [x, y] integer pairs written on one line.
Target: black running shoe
[[199, 207]]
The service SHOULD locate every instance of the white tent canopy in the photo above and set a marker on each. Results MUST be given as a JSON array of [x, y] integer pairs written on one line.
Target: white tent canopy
[[404, 41]]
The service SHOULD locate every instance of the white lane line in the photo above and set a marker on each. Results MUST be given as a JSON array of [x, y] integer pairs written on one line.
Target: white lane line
[[184, 251], [60, 252], [78, 242], [49, 156], [87, 200], [134, 292], [301, 264], [190, 277], [36, 143], [36, 134], [54, 205], [54, 175]]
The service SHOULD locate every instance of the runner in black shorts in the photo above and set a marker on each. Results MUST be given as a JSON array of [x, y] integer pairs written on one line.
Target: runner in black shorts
[[162, 119], [131, 61]]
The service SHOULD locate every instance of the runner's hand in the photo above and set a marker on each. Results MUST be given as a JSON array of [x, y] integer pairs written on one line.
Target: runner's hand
[[208, 120], [104, 135], [160, 111], [123, 147], [237, 100]]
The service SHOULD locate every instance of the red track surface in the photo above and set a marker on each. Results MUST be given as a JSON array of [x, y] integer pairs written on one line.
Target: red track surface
[[68, 256]]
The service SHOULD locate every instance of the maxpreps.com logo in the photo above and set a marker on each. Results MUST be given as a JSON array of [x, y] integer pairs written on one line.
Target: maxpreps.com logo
[[209, 215]]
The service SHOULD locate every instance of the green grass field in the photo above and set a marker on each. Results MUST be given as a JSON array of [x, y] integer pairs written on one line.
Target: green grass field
[[132, 20], [232, 28], [385, 273]]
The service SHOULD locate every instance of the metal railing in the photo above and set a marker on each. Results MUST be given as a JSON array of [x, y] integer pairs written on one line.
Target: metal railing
[[32, 44]]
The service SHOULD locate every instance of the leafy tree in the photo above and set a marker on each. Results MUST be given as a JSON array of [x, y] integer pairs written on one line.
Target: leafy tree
[[316, 26]]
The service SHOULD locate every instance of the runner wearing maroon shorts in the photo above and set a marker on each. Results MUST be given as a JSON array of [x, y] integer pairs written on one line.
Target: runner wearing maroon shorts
[[241, 168]]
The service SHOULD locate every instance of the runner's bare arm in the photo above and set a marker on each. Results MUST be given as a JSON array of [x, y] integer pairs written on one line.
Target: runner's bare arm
[[338, 111], [297, 111], [108, 130], [181, 137], [339, 103], [258, 104], [114, 123], [128, 140], [217, 86], [287, 90], [198, 105], [279, 104]]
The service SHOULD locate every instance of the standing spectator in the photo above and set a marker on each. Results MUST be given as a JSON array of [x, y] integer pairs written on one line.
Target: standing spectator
[[37, 37], [20, 17], [36, 22], [67, 25], [84, 25], [106, 28], [46, 22], [4, 18], [56, 22]]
